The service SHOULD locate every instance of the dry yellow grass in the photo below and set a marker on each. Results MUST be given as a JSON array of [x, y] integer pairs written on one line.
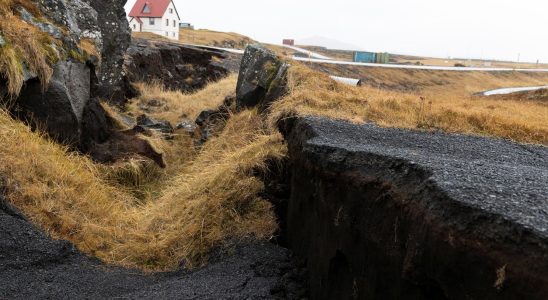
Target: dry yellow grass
[[214, 38], [446, 109], [135, 215], [26, 46], [434, 81], [202, 37], [89, 48], [140, 177], [179, 104], [433, 61], [150, 36]]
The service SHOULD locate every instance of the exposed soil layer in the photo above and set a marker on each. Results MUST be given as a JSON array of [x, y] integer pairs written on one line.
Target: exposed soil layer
[[396, 214], [178, 67], [33, 266]]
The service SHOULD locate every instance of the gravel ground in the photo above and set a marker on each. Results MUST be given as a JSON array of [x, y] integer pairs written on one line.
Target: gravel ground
[[33, 266]]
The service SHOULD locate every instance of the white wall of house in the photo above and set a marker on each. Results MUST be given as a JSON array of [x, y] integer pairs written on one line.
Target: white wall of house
[[167, 26]]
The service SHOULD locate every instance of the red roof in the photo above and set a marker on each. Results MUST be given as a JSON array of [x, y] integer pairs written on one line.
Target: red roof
[[157, 8]]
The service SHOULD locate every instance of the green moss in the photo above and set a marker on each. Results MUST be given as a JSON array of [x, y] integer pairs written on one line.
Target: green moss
[[51, 54], [272, 70], [77, 55]]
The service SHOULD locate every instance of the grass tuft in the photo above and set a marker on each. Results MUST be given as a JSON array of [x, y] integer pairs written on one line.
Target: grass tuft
[[28, 49]]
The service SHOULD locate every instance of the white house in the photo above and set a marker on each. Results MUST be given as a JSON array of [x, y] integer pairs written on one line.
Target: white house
[[155, 16]]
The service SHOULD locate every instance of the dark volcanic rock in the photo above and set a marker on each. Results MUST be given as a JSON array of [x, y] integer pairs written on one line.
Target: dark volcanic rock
[[124, 144], [187, 125], [76, 15], [214, 120], [102, 21], [59, 109], [33, 266], [397, 214], [163, 127], [176, 66], [262, 78], [96, 126], [116, 37]]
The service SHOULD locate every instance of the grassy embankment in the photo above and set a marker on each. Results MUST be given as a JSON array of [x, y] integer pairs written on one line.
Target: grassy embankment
[[443, 101], [207, 196], [134, 214]]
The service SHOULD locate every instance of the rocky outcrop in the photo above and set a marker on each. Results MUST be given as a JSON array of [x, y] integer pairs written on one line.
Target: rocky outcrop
[[76, 15], [262, 78], [105, 24], [396, 214], [59, 109], [67, 113], [116, 37], [176, 66], [68, 108]]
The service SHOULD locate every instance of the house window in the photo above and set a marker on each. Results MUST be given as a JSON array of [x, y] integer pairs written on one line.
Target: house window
[[173, 34], [146, 9], [151, 21], [134, 26], [167, 33], [171, 10], [174, 23], [167, 22]]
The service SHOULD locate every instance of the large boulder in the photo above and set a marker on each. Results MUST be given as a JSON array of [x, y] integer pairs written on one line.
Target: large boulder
[[103, 22], [59, 108], [66, 111], [262, 78]]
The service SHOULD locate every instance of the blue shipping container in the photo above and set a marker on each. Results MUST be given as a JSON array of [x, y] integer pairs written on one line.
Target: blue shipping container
[[364, 57]]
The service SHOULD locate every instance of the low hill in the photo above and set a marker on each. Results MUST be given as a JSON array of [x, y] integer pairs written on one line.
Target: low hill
[[214, 38]]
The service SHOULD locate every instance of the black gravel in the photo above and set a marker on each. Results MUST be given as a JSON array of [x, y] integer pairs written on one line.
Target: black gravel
[[493, 176], [33, 266]]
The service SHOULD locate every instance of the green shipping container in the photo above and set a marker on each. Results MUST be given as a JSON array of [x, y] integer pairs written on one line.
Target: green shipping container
[[382, 58]]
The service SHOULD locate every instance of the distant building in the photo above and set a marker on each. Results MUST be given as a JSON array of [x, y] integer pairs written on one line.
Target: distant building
[[183, 25], [155, 16], [288, 42]]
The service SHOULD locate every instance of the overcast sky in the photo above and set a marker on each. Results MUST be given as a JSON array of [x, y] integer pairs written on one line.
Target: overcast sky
[[498, 29]]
